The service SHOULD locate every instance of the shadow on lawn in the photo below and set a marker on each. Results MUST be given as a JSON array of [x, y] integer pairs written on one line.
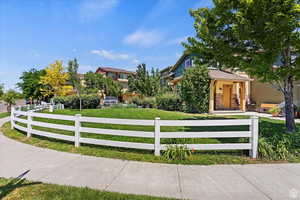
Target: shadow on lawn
[[14, 184]]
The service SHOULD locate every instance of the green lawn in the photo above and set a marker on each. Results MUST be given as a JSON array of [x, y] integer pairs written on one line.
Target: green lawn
[[2, 115], [17, 189], [208, 157]]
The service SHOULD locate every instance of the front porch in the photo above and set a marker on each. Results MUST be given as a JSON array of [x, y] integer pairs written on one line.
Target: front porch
[[228, 92]]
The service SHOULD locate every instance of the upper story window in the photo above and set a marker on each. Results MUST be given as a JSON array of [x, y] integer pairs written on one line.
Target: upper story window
[[123, 76], [188, 63], [111, 75]]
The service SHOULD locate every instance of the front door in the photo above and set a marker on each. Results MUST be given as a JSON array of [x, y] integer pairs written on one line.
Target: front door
[[227, 91]]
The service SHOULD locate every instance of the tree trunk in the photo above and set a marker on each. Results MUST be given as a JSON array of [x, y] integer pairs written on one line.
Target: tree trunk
[[80, 103], [289, 105]]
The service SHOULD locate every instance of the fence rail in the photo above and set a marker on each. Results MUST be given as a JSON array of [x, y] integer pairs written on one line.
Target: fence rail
[[77, 128]]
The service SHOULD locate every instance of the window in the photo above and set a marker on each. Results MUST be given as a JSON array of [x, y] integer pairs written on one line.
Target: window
[[123, 76], [188, 63]]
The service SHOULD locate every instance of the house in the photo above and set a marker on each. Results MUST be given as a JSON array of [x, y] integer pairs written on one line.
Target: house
[[119, 75], [229, 91]]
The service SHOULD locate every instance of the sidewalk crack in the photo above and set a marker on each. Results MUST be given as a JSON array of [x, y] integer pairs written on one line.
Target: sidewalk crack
[[246, 179], [117, 175], [179, 182]]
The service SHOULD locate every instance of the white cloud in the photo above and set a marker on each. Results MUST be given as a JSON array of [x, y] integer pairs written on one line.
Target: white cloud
[[144, 38], [135, 61], [95, 9], [110, 55]]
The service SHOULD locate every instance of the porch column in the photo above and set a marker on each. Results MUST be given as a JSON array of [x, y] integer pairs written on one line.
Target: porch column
[[242, 97], [211, 96]]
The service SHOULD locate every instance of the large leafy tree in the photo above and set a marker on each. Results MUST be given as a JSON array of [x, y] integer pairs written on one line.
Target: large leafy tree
[[94, 82], [74, 79], [30, 84], [112, 88], [55, 80], [252, 36], [144, 82]]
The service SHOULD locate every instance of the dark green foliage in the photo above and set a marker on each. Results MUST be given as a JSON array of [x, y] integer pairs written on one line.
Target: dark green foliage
[[274, 145], [145, 102], [143, 82], [112, 88], [73, 102], [74, 78], [94, 82], [1, 90], [169, 101], [30, 84], [194, 89]]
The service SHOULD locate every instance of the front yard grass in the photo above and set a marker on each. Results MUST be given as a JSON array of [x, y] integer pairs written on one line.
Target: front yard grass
[[200, 157], [17, 189], [3, 115]]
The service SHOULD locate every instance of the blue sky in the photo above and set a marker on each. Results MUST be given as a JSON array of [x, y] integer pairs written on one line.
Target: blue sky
[[115, 33]]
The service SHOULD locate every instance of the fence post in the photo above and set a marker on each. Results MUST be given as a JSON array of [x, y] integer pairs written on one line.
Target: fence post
[[77, 129], [254, 134], [51, 108], [29, 122], [157, 136], [12, 117]]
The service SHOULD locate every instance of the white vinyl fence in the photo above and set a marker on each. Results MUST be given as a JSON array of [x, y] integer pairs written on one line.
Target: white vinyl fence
[[252, 133], [38, 107]]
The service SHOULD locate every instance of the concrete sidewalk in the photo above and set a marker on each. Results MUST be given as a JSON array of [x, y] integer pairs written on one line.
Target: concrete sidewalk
[[270, 181]]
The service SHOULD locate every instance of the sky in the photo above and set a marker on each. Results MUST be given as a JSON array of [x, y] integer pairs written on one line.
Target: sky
[[111, 33]]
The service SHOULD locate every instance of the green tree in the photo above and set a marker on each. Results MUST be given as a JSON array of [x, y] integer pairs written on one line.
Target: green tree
[[112, 88], [252, 36], [10, 98], [143, 82], [1, 90], [194, 89], [94, 82], [74, 79], [30, 84]]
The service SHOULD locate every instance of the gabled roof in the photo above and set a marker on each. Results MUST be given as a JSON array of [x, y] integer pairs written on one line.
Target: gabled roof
[[112, 69], [217, 74]]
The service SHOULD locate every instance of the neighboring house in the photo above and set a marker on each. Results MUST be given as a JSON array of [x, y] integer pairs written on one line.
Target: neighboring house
[[165, 75], [119, 75], [228, 91]]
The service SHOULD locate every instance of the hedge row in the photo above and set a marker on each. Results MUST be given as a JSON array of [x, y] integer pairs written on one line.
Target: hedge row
[[73, 102]]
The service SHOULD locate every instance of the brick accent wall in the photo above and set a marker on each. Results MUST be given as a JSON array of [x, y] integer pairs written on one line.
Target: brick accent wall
[[219, 102], [234, 102]]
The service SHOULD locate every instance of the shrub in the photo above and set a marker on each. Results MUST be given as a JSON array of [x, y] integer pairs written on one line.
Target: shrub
[[275, 110], [146, 102], [73, 102], [149, 102], [169, 101], [278, 148], [135, 100], [194, 89], [177, 152]]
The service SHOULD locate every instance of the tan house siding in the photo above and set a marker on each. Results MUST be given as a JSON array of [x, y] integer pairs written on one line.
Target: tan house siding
[[265, 93]]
